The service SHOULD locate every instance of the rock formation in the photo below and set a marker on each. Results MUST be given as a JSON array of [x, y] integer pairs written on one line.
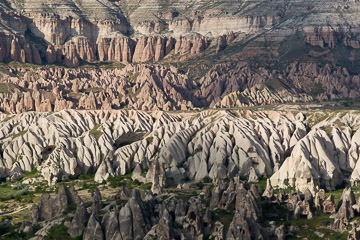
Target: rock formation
[[215, 145], [54, 206]]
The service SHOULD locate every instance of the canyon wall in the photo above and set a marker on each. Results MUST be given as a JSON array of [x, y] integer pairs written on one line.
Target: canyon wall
[[71, 33]]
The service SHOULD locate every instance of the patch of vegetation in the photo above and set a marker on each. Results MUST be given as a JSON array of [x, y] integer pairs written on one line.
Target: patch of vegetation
[[40, 189], [178, 225], [33, 174], [59, 232], [261, 184], [6, 191], [96, 132], [353, 104], [281, 215], [277, 84], [347, 57], [71, 208], [339, 124], [10, 233], [185, 195], [8, 118], [196, 69], [201, 184], [18, 192], [85, 177], [338, 192], [118, 181], [327, 129], [316, 118], [164, 197], [133, 76], [224, 217], [68, 219], [145, 171], [307, 227], [19, 134], [1, 149], [293, 47], [84, 182], [149, 140], [120, 202], [145, 186], [90, 186], [4, 88], [103, 65]]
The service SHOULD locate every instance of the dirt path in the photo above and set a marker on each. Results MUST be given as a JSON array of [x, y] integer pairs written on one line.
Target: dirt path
[[14, 211]]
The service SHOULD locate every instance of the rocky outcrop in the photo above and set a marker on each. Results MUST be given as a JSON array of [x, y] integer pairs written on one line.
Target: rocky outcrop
[[261, 95], [71, 35], [151, 33], [110, 225], [154, 87], [143, 216], [243, 228], [54, 206], [93, 229], [151, 88], [178, 148], [77, 225], [323, 36], [115, 49], [354, 233], [88, 102], [150, 49], [135, 217], [170, 216], [311, 158], [345, 210], [120, 49]]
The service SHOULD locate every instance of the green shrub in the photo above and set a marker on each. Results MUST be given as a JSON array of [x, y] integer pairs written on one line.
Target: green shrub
[[224, 217], [119, 180], [146, 186], [10, 233], [33, 174], [59, 232], [68, 219], [19, 134], [96, 132], [85, 177], [136, 182], [71, 208], [149, 140]]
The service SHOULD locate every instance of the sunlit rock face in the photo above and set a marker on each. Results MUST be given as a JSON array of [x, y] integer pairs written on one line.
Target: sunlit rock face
[[148, 31], [312, 152]]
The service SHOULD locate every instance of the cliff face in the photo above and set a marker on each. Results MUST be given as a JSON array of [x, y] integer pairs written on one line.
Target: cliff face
[[117, 49], [149, 31], [204, 54]]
